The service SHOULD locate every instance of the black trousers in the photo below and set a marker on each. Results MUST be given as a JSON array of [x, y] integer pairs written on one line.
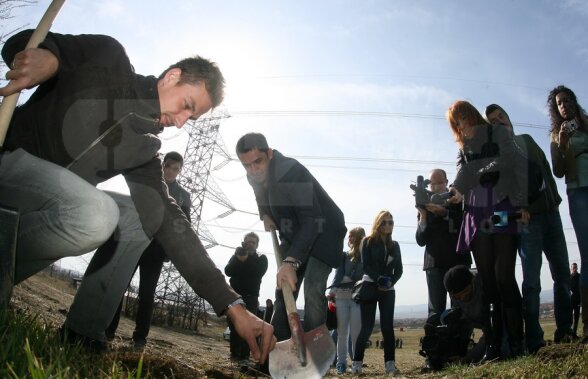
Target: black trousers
[[149, 266]]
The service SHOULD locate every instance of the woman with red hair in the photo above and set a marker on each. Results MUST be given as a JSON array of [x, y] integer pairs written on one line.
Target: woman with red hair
[[492, 176]]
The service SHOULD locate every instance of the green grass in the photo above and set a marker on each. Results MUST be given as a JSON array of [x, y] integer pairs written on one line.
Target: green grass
[[28, 349]]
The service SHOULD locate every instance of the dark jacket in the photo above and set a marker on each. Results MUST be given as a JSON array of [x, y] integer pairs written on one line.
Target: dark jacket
[[492, 159], [440, 240], [95, 91], [356, 272], [307, 218], [548, 199], [246, 276], [376, 262]]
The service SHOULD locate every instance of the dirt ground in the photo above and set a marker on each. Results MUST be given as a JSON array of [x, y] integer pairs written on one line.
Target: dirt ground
[[189, 354]]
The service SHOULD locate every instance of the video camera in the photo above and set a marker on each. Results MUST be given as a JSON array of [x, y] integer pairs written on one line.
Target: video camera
[[423, 196]]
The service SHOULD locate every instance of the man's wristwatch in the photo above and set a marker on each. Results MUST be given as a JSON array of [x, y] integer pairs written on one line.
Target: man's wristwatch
[[295, 263], [239, 301]]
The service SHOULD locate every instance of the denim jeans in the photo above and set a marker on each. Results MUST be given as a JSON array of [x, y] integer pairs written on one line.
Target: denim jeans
[[544, 234], [108, 274], [348, 327], [61, 215], [578, 204], [315, 274], [386, 303]]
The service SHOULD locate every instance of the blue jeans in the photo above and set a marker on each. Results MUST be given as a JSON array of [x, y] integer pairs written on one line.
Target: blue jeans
[[108, 274], [544, 233], [348, 327], [386, 303], [61, 215], [578, 203], [315, 274]]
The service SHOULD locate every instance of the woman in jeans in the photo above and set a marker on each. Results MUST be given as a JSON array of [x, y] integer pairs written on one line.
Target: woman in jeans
[[569, 157], [348, 313], [493, 178], [382, 265]]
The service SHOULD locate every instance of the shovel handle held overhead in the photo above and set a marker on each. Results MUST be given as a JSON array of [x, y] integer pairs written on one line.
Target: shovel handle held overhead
[[9, 102]]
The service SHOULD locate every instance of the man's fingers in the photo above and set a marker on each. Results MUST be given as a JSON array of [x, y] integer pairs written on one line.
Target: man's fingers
[[11, 88]]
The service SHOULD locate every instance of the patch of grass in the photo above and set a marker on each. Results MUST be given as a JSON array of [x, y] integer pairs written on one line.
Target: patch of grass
[[32, 350]]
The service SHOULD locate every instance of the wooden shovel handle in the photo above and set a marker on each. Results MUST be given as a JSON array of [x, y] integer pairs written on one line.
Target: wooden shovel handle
[[9, 102], [296, 330], [286, 290]]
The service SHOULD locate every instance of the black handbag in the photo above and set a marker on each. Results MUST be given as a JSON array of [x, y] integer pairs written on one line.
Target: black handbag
[[364, 292]]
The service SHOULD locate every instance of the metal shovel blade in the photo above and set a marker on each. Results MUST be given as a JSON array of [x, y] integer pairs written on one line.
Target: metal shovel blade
[[320, 353]]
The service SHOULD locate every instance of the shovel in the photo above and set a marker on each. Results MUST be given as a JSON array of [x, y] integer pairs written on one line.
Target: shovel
[[305, 355], [9, 217]]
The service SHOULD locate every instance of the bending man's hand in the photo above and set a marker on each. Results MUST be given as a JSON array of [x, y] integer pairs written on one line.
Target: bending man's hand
[[30, 68], [249, 327], [286, 273], [268, 223]]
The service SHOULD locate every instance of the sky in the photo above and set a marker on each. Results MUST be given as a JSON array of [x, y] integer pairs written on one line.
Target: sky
[[356, 90]]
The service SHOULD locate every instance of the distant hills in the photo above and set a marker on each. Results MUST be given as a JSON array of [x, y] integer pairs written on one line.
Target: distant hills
[[420, 310]]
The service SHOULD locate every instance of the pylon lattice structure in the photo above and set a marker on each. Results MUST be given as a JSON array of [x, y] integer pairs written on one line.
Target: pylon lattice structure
[[204, 144]]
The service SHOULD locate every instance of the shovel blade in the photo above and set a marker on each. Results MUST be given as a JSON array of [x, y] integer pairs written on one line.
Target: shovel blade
[[320, 353]]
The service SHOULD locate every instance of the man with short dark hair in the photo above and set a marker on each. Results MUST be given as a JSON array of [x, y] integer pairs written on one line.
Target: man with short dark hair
[[151, 262], [543, 232], [245, 269], [312, 227], [95, 117]]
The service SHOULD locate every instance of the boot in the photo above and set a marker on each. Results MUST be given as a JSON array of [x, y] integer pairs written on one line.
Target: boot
[[513, 319], [584, 298]]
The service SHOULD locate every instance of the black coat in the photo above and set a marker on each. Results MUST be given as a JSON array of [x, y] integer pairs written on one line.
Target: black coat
[[306, 217], [96, 90], [440, 240]]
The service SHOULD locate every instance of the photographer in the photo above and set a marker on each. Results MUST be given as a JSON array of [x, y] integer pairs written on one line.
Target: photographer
[[437, 231], [245, 269]]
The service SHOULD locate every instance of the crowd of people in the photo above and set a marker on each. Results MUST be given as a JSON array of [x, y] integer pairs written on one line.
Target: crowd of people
[[92, 117]]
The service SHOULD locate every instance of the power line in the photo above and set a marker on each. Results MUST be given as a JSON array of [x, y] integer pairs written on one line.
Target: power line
[[344, 113]]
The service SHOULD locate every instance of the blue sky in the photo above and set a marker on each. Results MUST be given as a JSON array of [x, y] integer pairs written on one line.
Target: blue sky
[[356, 79]]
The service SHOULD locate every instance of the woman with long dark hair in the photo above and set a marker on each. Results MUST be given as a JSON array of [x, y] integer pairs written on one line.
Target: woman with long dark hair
[[348, 312], [569, 157], [382, 265], [492, 176]]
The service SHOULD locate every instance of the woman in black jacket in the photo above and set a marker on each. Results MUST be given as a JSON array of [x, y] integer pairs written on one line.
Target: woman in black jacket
[[382, 265], [493, 178]]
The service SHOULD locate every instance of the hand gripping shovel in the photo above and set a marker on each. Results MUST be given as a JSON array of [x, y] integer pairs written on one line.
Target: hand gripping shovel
[[306, 355], [9, 217]]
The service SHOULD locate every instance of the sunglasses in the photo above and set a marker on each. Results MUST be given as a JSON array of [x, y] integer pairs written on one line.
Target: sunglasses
[[387, 222]]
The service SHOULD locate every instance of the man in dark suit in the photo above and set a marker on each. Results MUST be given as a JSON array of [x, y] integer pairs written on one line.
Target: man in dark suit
[[437, 231], [312, 227]]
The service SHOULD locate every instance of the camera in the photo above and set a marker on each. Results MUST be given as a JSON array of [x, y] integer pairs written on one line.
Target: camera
[[241, 250], [570, 127], [423, 196]]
